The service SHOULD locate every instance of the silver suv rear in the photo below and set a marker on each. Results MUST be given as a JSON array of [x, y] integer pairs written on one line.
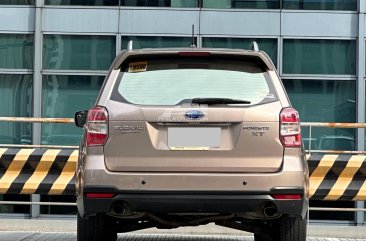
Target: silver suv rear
[[185, 137]]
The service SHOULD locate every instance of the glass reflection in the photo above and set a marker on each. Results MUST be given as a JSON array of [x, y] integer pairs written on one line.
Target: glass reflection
[[320, 4], [63, 96], [267, 45], [83, 2], [303, 56], [78, 52], [17, 2], [160, 3], [16, 99], [16, 51], [254, 4], [140, 42], [131, 3], [325, 101]]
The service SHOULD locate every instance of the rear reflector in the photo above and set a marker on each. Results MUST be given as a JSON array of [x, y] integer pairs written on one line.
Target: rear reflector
[[195, 54], [99, 195], [287, 196]]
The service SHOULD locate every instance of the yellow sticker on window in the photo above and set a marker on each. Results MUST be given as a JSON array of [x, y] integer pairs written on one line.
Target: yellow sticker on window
[[137, 67]]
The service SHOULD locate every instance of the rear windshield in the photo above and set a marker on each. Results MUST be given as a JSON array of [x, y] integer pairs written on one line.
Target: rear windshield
[[174, 81]]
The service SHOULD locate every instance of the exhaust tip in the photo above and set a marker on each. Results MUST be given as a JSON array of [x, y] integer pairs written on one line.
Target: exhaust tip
[[270, 211], [118, 208]]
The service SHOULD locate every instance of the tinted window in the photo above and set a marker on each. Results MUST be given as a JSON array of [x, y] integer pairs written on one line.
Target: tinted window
[[267, 45], [140, 42], [325, 101], [16, 97], [169, 82], [256, 4], [78, 52], [16, 51], [62, 97], [160, 3], [83, 2], [17, 2], [319, 56], [320, 4]]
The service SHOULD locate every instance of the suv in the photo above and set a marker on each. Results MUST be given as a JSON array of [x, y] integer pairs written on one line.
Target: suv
[[190, 136]]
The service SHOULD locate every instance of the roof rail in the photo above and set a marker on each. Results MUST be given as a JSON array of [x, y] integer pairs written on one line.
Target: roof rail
[[255, 46], [130, 45]]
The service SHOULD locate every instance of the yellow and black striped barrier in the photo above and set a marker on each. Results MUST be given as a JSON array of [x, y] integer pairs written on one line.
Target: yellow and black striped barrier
[[37, 171], [337, 177], [52, 172]]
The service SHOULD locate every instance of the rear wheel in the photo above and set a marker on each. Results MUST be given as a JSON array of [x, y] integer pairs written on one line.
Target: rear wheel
[[288, 228], [95, 228]]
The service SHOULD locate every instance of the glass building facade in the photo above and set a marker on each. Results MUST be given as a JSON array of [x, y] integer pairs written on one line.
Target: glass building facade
[[54, 55]]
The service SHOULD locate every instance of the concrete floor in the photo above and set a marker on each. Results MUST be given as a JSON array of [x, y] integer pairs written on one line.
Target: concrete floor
[[55, 229], [30, 236]]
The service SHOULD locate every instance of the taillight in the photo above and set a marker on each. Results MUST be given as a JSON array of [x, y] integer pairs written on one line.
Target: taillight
[[100, 195], [97, 126], [290, 128], [287, 196]]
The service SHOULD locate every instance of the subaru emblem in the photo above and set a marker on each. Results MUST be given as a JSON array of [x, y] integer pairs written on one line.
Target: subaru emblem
[[194, 115]]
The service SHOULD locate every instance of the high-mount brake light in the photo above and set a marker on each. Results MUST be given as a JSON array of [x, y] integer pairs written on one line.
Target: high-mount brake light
[[290, 128], [194, 54], [97, 126]]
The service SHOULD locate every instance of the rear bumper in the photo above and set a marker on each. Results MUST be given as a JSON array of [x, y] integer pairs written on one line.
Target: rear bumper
[[194, 202], [161, 192], [92, 172]]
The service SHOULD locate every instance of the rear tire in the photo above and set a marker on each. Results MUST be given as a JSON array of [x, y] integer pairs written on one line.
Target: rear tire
[[95, 228], [262, 237], [288, 228]]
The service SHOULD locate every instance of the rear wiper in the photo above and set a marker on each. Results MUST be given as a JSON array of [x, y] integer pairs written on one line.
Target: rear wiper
[[218, 101]]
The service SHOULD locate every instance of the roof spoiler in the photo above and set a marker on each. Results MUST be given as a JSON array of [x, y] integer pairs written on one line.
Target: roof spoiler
[[255, 46]]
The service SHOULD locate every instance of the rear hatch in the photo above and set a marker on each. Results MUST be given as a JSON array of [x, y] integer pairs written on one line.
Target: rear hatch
[[201, 113]]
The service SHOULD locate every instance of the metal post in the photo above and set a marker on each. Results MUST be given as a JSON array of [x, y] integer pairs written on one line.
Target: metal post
[[199, 41], [198, 34], [360, 216], [119, 46], [37, 89], [280, 54], [310, 134]]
